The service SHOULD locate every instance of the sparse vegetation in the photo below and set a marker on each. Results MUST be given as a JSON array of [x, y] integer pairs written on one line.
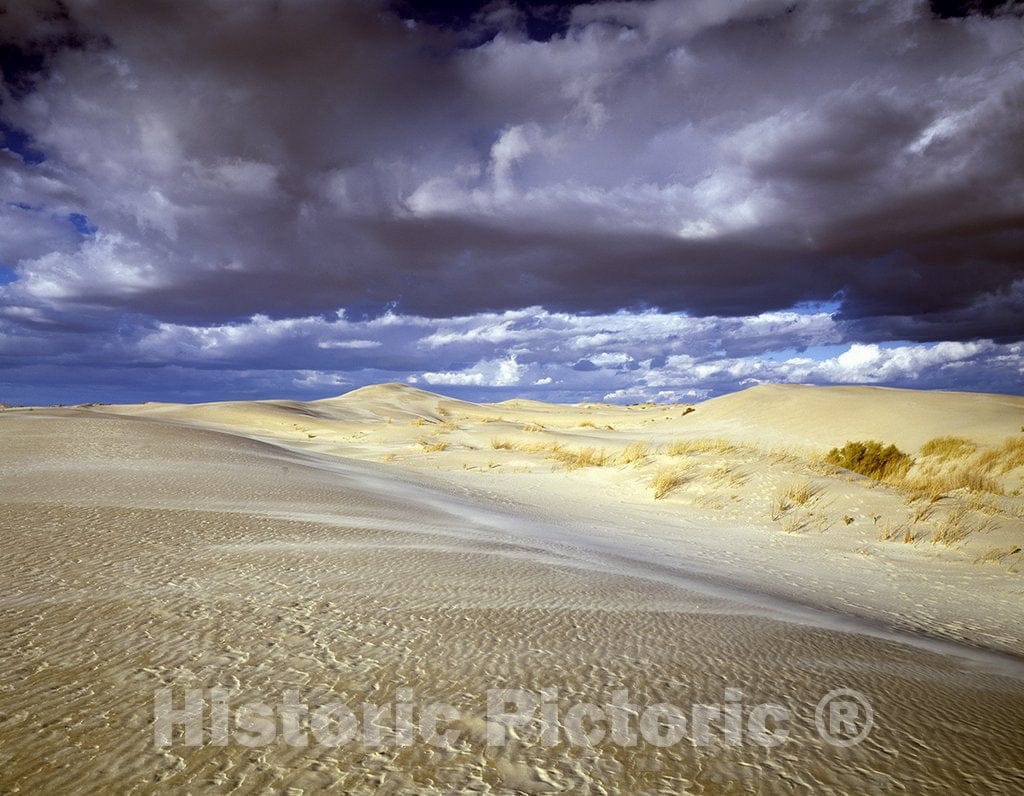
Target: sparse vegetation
[[954, 529], [911, 536], [432, 446], [965, 475], [635, 453], [1008, 456], [574, 459], [948, 448], [793, 523], [686, 447], [872, 459], [668, 480], [984, 504], [801, 493], [727, 474], [779, 507], [889, 532], [924, 510], [998, 555]]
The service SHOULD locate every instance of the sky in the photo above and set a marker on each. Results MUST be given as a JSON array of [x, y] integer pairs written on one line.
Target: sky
[[624, 201]]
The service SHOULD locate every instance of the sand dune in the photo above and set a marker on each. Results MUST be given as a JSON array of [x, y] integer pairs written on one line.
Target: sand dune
[[336, 547], [827, 416]]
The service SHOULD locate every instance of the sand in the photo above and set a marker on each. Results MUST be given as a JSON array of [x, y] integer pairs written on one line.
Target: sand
[[325, 548]]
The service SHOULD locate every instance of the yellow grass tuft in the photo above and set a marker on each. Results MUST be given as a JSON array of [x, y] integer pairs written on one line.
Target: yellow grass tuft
[[954, 529], [688, 446], [575, 459], [636, 453], [939, 481], [432, 446], [948, 448], [1008, 456], [998, 555], [889, 532], [668, 480], [779, 507], [801, 493]]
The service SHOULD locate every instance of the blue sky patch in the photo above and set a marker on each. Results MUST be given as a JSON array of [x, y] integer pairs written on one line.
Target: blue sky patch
[[81, 224], [20, 143]]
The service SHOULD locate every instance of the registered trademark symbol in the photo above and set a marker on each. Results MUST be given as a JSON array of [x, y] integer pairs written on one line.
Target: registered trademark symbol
[[844, 717]]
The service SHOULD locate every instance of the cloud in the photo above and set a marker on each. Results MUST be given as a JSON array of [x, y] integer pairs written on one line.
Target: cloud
[[250, 169], [621, 356]]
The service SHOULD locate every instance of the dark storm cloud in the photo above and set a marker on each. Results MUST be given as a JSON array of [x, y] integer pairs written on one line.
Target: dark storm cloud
[[198, 164], [286, 158]]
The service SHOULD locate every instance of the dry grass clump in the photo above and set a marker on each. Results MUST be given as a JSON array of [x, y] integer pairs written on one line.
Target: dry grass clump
[[890, 532], [895, 532], [728, 474], [779, 507], [635, 453], [1008, 456], [575, 459], [667, 480], [924, 509], [801, 493], [998, 555], [525, 447], [948, 448], [910, 535], [937, 482], [587, 424], [432, 446], [873, 460], [986, 505], [955, 528], [533, 427], [688, 446]]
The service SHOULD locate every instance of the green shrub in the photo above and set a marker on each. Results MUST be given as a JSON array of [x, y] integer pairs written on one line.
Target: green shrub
[[872, 459]]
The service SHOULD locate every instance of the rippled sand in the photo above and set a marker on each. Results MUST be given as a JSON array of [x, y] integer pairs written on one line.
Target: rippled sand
[[139, 555]]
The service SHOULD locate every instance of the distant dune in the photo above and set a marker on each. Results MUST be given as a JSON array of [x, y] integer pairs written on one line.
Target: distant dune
[[778, 414], [826, 416]]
